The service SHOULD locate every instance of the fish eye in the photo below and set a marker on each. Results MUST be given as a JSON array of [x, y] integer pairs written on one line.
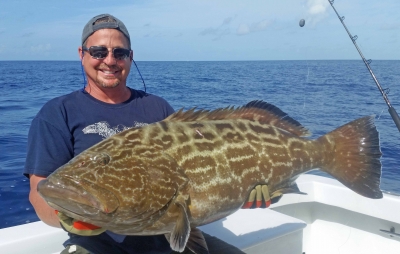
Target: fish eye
[[102, 159]]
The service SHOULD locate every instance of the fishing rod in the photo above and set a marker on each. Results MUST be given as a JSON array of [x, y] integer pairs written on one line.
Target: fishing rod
[[391, 110]]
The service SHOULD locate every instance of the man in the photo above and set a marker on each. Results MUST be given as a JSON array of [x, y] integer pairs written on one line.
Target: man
[[69, 124]]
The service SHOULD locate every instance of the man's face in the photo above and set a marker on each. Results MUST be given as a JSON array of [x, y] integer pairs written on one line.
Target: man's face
[[108, 72]]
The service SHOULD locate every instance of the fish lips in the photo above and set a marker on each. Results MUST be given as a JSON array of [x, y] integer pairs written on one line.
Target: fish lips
[[78, 197]]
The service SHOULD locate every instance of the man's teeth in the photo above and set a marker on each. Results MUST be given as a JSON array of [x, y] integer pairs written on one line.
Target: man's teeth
[[109, 72]]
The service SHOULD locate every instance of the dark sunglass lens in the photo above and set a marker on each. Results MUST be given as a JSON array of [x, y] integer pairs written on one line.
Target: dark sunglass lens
[[120, 53], [98, 52]]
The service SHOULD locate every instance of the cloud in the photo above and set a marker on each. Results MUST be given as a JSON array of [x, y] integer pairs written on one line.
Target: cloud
[[317, 10], [244, 29], [393, 26], [317, 7], [41, 48], [227, 21], [217, 33], [28, 34], [220, 31]]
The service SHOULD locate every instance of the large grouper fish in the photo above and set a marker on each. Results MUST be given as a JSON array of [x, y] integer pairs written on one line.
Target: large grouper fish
[[198, 166]]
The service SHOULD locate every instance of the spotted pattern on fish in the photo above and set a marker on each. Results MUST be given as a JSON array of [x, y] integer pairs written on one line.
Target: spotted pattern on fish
[[218, 158]]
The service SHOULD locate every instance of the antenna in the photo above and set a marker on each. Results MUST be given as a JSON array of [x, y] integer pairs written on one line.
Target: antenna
[[391, 110], [140, 76]]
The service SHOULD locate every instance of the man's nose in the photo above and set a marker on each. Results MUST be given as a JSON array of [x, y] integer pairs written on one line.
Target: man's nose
[[110, 59]]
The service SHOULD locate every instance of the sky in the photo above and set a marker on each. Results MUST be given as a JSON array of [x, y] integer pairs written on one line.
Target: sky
[[206, 30]]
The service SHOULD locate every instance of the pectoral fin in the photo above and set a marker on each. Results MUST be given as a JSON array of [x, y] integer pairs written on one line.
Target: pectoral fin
[[180, 233]]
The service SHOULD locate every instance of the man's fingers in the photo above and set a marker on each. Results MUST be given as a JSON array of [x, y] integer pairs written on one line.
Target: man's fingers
[[256, 197], [265, 193], [78, 227], [250, 200]]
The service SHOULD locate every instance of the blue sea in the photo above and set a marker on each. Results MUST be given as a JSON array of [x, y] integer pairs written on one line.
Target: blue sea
[[321, 95]]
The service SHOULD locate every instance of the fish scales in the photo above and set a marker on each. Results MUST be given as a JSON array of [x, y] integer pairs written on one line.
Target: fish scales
[[219, 159], [196, 167]]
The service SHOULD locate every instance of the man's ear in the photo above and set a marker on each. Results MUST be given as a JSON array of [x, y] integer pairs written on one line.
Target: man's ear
[[80, 53]]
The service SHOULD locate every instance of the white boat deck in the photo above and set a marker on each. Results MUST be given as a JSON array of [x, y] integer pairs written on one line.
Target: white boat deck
[[340, 221], [330, 219]]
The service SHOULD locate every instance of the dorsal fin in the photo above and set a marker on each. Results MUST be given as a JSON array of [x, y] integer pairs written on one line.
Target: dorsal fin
[[260, 111], [276, 117]]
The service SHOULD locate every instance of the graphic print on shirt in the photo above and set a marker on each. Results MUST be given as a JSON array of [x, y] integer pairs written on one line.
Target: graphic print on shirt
[[104, 129]]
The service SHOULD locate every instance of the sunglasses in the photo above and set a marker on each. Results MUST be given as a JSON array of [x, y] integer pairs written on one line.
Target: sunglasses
[[101, 52]]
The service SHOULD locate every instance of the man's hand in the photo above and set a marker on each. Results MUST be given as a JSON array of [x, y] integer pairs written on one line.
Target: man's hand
[[42, 209], [78, 227], [257, 195]]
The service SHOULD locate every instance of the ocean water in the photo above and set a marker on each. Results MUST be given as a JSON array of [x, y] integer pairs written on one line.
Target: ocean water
[[321, 95]]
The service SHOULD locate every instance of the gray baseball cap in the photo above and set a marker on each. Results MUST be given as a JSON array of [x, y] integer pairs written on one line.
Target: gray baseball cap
[[90, 27]]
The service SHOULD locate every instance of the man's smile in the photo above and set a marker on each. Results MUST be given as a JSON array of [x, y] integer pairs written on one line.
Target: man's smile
[[111, 73]]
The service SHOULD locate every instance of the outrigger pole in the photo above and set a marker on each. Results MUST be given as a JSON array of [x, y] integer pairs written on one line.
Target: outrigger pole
[[391, 110]]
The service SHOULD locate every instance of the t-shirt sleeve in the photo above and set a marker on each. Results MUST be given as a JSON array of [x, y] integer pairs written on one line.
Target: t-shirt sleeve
[[164, 108], [168, 109], [48, 148]]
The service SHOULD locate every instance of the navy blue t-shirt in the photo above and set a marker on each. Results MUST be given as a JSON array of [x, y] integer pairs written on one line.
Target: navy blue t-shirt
[[70, 124]]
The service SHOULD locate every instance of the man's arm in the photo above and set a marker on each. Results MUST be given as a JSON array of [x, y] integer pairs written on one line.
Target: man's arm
[[42, 209]]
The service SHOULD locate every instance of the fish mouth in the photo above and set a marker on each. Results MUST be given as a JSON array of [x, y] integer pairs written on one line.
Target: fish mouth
[[78, 197]]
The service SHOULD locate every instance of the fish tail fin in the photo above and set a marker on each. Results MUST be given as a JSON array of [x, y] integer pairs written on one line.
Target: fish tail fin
[[355, 156]]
